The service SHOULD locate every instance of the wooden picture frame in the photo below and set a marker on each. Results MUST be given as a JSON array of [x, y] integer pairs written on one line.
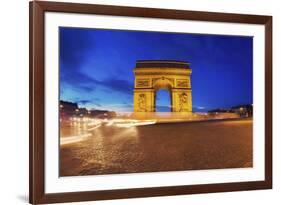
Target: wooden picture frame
[[37, 100]]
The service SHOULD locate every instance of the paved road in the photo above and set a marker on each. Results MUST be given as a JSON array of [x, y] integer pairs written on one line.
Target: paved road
[[159, 147]]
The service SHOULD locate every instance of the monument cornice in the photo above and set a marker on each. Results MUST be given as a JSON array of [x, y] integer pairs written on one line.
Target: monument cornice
[[162, 71], [162, 64]]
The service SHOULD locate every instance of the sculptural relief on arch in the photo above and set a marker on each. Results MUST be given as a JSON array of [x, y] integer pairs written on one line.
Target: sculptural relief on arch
[[150, 76]]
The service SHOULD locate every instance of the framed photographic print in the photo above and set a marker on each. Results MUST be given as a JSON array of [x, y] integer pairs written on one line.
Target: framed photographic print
[[139, 102]]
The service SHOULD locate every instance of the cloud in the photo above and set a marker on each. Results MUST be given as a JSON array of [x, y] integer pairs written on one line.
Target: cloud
[[88, 103], [73, 46], [118, 107], [84, 101], [79, 80], [199, 108], [76, 50], [122, 86]]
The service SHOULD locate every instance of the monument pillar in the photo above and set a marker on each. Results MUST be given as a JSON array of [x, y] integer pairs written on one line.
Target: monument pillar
[[181, 100], [144, 100]]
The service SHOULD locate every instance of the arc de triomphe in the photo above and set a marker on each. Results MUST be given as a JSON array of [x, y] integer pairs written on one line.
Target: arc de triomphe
[[151, 76]]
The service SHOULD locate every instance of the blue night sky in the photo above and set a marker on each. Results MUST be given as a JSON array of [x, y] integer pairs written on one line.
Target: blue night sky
[[96, 67]]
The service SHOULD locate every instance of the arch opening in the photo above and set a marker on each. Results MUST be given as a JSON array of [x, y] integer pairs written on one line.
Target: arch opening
[[163, 101]]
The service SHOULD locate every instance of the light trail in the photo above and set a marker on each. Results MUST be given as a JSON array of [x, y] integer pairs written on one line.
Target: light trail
[[73, 139], [93, 128], [134, 123]]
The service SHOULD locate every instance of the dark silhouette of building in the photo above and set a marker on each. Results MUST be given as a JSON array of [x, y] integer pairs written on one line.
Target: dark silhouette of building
[[69, 109], [102, 114], [243, 110]]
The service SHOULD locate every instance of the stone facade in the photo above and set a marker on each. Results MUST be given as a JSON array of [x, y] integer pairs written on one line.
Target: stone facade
[[150, 76]]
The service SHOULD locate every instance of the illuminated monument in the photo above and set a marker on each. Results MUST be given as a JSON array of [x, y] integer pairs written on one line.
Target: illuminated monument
[[151, 76]]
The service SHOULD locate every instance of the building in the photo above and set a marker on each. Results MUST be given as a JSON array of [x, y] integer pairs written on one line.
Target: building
[[243, 110], [152, 75], [67, 109]]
